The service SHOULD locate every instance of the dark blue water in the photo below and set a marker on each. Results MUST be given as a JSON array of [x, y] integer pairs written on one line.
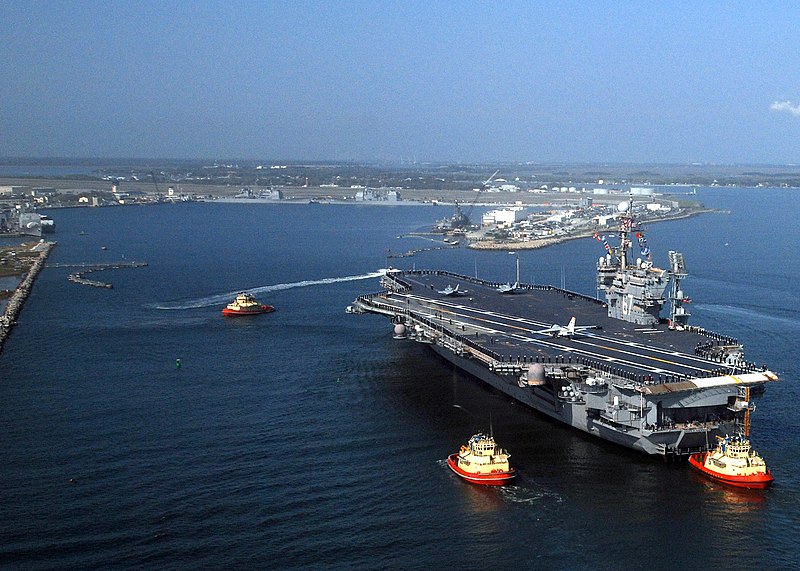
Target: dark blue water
[[308, 438]]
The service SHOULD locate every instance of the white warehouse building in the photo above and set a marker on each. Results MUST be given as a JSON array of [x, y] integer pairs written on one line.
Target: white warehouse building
[[503, 216]]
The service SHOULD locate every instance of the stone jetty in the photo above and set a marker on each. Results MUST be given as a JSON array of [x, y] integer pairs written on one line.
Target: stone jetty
[[79, 277], [17, 299]]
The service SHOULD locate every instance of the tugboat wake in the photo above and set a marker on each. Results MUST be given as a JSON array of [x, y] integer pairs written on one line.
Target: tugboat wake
[[225, 297]]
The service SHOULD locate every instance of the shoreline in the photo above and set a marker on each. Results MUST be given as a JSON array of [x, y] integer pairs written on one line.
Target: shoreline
[[145, 191], [545, 242], [319, 201]]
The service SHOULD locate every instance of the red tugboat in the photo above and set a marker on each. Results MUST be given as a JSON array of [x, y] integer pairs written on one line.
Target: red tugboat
[[246, 304], [482, 462], [733, 462]]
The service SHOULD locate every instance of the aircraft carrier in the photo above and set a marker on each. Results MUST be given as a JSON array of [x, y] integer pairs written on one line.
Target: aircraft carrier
[[612, 367]]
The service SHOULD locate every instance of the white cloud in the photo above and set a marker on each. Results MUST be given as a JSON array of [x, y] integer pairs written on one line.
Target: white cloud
[[786, 106]]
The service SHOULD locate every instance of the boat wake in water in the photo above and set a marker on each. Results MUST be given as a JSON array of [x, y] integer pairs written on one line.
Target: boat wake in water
[[757, 315], [223, 298]]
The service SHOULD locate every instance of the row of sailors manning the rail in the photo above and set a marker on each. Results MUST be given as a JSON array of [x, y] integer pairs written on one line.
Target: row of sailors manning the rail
[[645, 379], [518, 361], [707, 350]]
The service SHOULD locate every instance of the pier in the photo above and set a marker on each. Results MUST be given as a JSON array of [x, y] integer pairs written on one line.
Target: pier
[[17, 299], [445, 244]]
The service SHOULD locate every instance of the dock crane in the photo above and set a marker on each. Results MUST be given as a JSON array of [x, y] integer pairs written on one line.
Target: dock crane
[[485, 184], [461, 218], [155, 182]]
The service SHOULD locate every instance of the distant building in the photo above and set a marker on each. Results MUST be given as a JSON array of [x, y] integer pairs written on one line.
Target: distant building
[[377, 195], [13, 190], [604, 220], [5, 219], [503, 216], [43, 191], [262, 194], [89, 200]]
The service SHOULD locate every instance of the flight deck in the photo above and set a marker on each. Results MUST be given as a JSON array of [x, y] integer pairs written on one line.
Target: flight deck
[[512, 326]]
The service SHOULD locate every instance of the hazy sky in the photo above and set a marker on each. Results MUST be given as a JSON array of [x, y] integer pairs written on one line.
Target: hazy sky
[[444, 81]]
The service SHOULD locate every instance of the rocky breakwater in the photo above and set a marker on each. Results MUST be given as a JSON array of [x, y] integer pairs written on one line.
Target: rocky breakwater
[[80, 276], [17, 299]]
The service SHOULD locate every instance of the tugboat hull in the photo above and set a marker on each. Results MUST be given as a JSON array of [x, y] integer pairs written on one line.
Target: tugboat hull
[[754, 481], [489, 479], [234, 313]]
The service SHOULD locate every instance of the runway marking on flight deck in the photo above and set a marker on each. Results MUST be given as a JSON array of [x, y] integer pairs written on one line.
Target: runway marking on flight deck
[[648, 356], [632, 353], [600, 356], [466, 308], [664, 351], [447, 307]]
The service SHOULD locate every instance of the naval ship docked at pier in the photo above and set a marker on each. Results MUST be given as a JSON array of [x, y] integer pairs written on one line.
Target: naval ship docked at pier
[[612, 367]]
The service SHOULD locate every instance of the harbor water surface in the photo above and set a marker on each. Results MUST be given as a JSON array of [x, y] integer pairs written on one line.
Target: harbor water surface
[[309, 438]]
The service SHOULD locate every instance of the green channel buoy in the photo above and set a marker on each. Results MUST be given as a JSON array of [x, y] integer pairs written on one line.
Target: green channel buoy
[[177, 363]]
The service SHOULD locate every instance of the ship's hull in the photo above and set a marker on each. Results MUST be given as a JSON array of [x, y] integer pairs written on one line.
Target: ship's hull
[[491, 479], [656, 389], [543, 399], [755, 481]]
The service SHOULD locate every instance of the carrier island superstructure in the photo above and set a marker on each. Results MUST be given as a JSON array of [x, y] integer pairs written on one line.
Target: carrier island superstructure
[[613, 367]]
